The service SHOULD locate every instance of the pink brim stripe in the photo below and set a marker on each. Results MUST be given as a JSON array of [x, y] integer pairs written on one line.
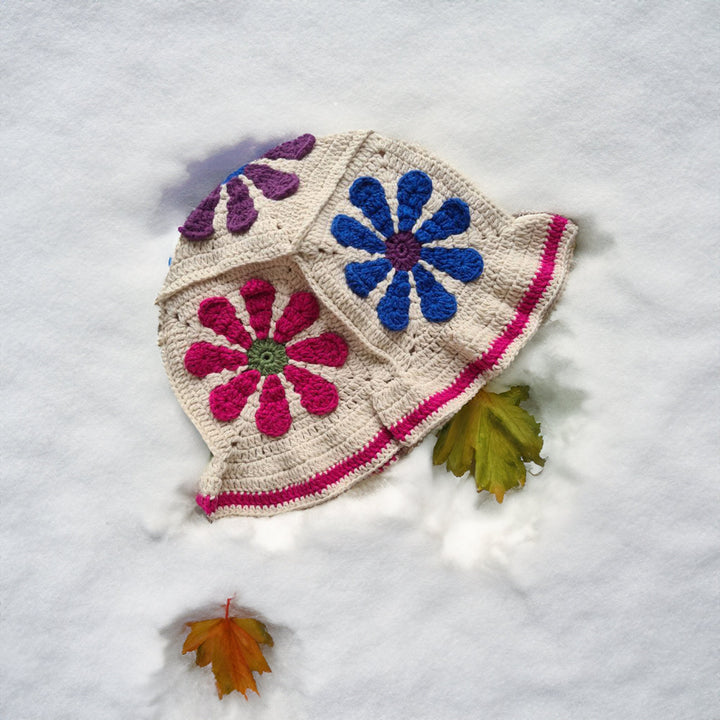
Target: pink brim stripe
[[403, 428], [313, 486]]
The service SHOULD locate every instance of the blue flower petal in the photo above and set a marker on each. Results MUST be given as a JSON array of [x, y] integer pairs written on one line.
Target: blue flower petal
[[364, 277], [436, 303], [414, 190], [368, 194], [394, 309], [464, 264], [451, 219], [351, 233]]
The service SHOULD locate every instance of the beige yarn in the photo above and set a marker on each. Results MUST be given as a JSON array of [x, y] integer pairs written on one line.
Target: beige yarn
[[392, 380]]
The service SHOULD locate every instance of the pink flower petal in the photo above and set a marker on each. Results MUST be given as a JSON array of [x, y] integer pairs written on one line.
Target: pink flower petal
[[218, 314], [199, 224], [273, 416], [317, 395], [228, 400], [295, 149], [326, 349], [301, 312], [203, 358], [259, 296], [274, 184], [241, 212]]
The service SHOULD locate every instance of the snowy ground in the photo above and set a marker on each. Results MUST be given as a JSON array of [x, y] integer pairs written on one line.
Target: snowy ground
[[593, 593]]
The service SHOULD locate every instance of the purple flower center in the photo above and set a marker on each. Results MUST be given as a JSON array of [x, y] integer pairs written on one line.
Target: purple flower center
[[402, 250]]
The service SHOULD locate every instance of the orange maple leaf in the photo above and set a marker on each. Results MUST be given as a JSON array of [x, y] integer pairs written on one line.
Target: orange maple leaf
[[231, 645]]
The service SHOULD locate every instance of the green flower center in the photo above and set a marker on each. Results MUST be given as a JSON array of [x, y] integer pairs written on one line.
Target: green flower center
[[267, 356]]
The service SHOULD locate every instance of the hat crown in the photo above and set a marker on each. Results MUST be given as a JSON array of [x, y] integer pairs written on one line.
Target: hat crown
[[332, 302]]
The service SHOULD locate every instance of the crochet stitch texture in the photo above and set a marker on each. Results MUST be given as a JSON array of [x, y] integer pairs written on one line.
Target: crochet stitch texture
[[331, 303]]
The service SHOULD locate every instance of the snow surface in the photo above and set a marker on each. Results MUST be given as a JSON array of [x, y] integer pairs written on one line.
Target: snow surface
[[592, 593]]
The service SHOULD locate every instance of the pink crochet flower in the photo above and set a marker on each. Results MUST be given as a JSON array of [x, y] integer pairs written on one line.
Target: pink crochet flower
[[266, 357]]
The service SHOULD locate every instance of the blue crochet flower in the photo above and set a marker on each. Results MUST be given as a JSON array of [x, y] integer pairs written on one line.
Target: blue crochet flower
[[406, 250]]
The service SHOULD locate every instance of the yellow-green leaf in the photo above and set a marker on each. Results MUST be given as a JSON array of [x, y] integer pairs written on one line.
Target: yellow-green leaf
[[492, 437]]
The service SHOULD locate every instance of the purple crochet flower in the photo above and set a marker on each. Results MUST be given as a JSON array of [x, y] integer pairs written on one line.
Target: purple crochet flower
[[241, 213], [406, 250]]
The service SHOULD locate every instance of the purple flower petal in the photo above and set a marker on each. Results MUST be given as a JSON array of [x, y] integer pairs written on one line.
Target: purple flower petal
[[241, 212], [199, 224], [295, 149], [274, 184]]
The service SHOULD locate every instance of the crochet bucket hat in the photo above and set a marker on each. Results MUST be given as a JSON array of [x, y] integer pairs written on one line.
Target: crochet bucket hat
[[332, 303]]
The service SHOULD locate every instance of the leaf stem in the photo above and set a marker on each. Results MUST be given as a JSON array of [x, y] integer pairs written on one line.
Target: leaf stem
[[227, 608]]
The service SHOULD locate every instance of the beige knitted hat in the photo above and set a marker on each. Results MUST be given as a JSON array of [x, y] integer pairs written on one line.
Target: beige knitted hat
[[335, 301]]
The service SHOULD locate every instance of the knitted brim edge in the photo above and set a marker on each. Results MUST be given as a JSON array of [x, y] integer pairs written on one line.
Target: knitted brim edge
[[428, 414]]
